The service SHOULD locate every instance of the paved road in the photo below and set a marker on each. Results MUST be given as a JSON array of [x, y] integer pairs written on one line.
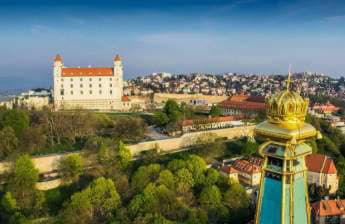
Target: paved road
[[154, 134]]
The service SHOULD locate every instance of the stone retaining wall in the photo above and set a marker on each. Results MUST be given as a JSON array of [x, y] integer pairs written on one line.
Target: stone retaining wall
[[46, 164]]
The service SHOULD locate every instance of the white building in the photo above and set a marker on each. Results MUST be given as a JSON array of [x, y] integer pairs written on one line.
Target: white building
[[89, 88], [32, 99]]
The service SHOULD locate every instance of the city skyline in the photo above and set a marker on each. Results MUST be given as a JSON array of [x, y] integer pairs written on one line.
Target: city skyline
[[249, 36]]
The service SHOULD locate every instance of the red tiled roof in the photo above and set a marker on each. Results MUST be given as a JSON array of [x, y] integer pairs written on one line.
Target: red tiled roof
[[228, 169], [245, 105], [68, 72], [58, 58], [320, 164], [125, 99], [256, 161], [246, 166], [242, 98], [211, 120], [117, 58], [328, 107], [242, 102], [329, 207]]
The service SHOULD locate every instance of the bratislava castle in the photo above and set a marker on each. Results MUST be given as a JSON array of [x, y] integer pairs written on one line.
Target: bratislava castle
[[88, 88]]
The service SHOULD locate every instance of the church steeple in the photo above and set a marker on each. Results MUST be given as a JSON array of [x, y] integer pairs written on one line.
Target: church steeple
[[283, 195]]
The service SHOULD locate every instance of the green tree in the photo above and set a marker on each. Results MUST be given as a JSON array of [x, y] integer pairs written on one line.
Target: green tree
[[236, 197], [8, 205], [78, 210], [144, 175], [197, 216], [184, 180], [129, 128], [22, 181], [124, 155], [166, 178], [161, 119], [250, 148], [211, 177], [8, 141], [106, 155], [237, 201], [33, 140], [172, 110], [313, 145], [176, 164], [104, 198], [196, 165], [215, 111], [17, 119], [326, 146], [210, 197], [95, 204], [157, 199], [150, 218], [71, 167]]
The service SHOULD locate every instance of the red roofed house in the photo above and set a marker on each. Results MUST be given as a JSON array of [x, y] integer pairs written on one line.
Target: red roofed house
[[88, 88], [328, 212], [210, 123], [239, 105], [247, 172], [322, 172], [230, 172], [327, 108]]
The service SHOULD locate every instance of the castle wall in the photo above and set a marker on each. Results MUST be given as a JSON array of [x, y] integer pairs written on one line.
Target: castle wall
[[49, 163], [163, 97]]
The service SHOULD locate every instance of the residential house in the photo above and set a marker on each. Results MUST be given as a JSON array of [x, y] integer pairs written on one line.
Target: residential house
[[328, 212], [322, 172]]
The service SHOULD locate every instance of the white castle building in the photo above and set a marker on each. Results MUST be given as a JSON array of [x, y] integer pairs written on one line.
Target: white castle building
[[89, 88]]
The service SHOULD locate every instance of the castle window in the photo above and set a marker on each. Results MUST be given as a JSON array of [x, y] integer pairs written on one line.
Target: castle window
[[81, 92], [111, 92], [100, 79], [81, 79], [71, 85], [62, 80], [61, 85], [90, 85], [62, 92], [100, 92], [81, 85], [111, 79], [111, 85], [100, 85], [90, 92], [90, 79], [71, 79], [71, 92]]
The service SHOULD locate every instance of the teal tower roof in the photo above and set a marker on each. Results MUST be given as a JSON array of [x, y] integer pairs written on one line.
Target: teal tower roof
[[283, 194]]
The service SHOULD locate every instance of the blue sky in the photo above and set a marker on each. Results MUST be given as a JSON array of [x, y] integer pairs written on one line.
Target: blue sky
[[174, 36]]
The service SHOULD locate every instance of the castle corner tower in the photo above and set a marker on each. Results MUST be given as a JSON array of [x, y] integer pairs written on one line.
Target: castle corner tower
[[283, 195]]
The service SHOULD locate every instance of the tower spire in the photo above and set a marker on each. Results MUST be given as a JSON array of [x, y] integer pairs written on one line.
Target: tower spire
[[288, 81]]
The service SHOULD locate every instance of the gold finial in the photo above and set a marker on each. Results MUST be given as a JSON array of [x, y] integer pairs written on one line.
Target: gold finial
[[288, 81], [287, 107]]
